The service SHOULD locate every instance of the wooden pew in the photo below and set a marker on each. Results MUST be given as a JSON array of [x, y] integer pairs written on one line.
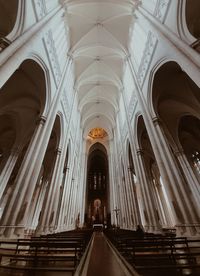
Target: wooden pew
[[45, 253], [154, 254]]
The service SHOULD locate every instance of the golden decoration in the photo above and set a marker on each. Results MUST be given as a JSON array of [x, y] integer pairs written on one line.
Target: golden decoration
[[97, 133]]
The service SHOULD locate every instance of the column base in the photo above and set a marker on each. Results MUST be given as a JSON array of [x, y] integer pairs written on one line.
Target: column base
[[12, 232], [156, 229], [188, 229]]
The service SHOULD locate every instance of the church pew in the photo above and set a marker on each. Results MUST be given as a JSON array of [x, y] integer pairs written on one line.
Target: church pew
[[41, 252], [154, 251]]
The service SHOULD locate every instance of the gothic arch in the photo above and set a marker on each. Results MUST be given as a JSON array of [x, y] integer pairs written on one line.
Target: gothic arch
[[22, 102], [62, 130], [189, 136], [155, 190], [180, 95], [152, 74], [23, 99], [135, 129], [97, 185], [8, 16], [192, 14]]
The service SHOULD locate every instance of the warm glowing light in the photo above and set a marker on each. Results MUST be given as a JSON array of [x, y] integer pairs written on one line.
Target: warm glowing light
[[97, 133]]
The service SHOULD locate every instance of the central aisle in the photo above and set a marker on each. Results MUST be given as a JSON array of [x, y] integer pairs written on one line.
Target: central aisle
[[102, 260]]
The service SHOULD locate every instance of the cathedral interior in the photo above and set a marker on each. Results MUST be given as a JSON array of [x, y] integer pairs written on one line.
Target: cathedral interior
[[99, 137]]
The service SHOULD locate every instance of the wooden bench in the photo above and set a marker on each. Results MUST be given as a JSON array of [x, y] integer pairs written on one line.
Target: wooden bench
[[39, 253], [154, 254]]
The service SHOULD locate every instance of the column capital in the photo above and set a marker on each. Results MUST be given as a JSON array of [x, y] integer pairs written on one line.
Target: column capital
[[41, 120], [156, 120], [178, 151], [70, 56], [140, 152], [65, 169], [127, 57], [4, 43], [58, 151], [130, 169], [136, 3]]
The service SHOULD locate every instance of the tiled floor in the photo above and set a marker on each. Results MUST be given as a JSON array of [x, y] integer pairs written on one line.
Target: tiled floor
[[103, 262]]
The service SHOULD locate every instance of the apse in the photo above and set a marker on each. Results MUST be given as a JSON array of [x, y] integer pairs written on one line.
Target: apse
[[97, 207]]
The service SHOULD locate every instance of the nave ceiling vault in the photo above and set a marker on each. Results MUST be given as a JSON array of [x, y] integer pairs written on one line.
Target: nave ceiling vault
[[100, 34]]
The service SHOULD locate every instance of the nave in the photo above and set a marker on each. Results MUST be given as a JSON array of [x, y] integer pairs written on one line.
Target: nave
[[99, 124]]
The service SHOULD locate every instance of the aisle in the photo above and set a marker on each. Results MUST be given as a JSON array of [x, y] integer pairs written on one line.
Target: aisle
[[102, 261]]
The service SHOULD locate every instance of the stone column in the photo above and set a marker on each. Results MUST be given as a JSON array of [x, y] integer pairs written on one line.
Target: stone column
[[187, 208], [167, 167], [18, 210], [113, 201], [38, 207], [61, 221], [16, 201], [164, 212], [126, 202], [70, 201], [131, 183], [34, 201], [48, 214], [83, 183], [8, 168], [135, 199], [150, 216], [193, 188], [55, 194], [130, 200]]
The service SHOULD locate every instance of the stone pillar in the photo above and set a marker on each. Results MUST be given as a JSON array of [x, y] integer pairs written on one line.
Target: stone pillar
[[126, 203], [164, 211], [150, 216], [61, 221], [135, 207], [48, 213], [55, 194], [135, 199], [8, 168], [18, 209], [70, 202], [113, 201], [172, 181], [83, 185], [183, 204], [193, 188], [130, 199], [17, 201], [34, 201], [38, 207]]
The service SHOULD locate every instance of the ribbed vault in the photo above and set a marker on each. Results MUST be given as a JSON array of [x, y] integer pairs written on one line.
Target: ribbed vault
[[99, 37]]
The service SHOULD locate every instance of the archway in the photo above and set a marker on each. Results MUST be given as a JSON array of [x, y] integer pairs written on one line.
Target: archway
[[8, 17], [97, 207], [189, 137], [181, 96], [156, 209], [45, 188], [193, 17], [22, 102], [138, 204]]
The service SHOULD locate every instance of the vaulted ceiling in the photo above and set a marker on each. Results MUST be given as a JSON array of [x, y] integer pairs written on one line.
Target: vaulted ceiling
[[99, 37]]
